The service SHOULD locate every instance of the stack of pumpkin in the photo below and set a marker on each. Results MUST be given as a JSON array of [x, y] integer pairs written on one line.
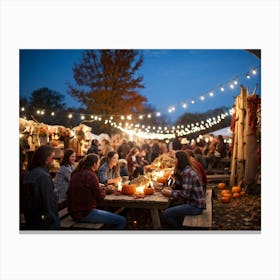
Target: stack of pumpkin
[[226, 194]]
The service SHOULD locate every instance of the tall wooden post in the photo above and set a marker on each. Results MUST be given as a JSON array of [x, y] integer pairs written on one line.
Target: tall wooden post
[[241, 141], [238, 158], [234, 151]]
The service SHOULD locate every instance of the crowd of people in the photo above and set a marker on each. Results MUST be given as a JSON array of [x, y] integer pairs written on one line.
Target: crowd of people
[[81, 184]]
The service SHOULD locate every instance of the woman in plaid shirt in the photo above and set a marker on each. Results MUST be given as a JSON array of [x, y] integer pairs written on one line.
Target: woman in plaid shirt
[[188, 194]]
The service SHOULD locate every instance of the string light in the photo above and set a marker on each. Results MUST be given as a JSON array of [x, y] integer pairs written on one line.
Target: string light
[[149, 132], [171, 109]]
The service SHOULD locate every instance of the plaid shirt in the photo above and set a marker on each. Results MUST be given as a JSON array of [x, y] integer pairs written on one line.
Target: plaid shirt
[[83, 193], [191, 191]]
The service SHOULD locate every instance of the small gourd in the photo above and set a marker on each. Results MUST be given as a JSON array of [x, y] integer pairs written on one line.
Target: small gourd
[[221, 185], [228, 194], [224, 192], [149, 190], [236, 195], [236, 189], [225, 199], [161, 180]]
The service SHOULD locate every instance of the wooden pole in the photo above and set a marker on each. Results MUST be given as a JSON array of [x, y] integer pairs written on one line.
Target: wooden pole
[[232, 181], [251, 156], [241, 143], [238, 157]]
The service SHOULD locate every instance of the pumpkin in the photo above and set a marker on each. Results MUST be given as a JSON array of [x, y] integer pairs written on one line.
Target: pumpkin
[[227, 195], [236, 189], [224, 192], [128, 189], [226, 199], [161, 180], [149, 190], [242, 193], [236, 195], [221, 185]]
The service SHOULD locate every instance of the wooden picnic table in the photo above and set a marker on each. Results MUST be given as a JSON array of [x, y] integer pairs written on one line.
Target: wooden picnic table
[[154, 202]]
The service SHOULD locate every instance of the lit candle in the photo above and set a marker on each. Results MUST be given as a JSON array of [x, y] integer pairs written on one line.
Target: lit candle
[[120, 186], [140, 189]]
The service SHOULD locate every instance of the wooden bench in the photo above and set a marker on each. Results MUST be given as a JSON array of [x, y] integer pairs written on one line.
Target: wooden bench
[[66, 221], [218, 177], [205, 219]]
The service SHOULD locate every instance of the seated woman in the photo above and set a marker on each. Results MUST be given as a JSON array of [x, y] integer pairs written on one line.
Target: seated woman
[[63, 176], [134, 168], [109, 172], [189, 195], [85, 192]]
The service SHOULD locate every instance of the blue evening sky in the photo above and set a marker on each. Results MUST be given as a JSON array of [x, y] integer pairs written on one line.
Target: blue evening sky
[[171, 77]]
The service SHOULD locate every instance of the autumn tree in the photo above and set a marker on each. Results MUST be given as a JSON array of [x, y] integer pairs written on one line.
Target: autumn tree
[[47, 100], [107, 82]]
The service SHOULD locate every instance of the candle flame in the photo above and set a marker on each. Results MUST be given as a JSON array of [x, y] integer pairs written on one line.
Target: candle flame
[[119, 186], [140, 189]]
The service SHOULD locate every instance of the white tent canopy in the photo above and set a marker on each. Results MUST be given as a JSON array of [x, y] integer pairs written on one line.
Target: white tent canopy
[[224, 132]]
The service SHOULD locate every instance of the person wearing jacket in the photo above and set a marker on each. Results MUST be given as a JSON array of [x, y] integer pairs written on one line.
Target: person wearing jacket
[[37, 192], [85, 192], [63, 175]]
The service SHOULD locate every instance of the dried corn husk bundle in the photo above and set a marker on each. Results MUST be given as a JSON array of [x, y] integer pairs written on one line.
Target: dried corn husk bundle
[[141, 180], [166, 160]]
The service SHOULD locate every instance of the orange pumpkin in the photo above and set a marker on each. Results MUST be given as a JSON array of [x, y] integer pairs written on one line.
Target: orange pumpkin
[[224, 192], [161, 180], [128, 189], [149, 190], [236, 189], [242, 193], [236, 195], [227, 195], [225, 199], [221, 185]]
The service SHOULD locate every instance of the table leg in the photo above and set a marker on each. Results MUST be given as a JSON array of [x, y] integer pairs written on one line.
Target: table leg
[[155, 218]]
